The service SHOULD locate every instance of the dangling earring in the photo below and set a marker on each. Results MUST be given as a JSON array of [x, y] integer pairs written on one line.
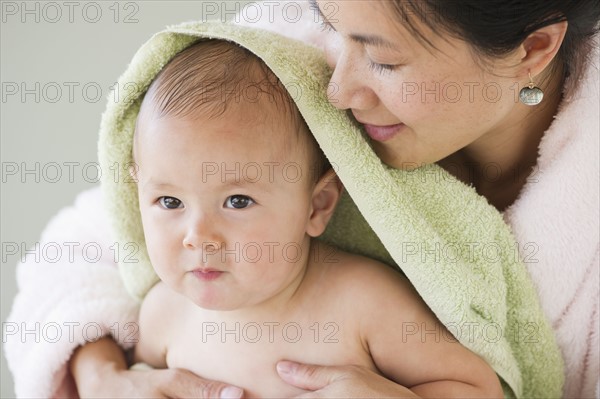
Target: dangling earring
[[530, 94]]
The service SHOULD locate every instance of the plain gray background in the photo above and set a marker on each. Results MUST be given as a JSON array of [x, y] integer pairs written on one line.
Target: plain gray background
[[46, 49]]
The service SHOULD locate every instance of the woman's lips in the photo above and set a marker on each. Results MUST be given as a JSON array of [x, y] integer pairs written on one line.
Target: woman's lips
[[207, 274], [383, 133]]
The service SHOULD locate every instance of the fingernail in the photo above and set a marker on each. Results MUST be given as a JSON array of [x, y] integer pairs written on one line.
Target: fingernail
[[285, 367], [231, 393]]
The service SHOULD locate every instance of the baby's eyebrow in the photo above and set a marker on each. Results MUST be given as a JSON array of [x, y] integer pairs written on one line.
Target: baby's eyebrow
[[241, 182], [158, 185]]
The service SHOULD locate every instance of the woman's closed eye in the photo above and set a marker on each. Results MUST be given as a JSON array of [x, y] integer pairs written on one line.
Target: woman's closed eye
[[382, 68], [170, 202], [238, 202], [377, 60]]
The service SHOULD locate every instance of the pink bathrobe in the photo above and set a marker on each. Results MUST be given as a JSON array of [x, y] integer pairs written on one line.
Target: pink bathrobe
[[555, 220], [557, 216]]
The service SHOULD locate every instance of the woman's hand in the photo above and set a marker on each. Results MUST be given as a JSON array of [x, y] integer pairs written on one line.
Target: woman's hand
[[100, 371], [340, 381]]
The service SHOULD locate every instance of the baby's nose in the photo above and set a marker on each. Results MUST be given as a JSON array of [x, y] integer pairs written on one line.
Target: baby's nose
[[203, 234]]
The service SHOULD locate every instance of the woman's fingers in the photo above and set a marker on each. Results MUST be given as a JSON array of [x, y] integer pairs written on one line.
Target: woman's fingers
[[340, 382], [308, 376], [178, 383]]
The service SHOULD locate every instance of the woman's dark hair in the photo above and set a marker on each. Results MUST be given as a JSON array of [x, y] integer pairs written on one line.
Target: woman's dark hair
[[496, 27]]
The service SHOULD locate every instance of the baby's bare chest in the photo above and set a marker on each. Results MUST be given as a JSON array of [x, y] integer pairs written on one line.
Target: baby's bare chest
[[245, 353]]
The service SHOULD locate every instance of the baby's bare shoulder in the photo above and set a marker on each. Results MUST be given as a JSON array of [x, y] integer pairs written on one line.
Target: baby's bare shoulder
[[363, 278], [156, 324], [158, 293], [158, 304]]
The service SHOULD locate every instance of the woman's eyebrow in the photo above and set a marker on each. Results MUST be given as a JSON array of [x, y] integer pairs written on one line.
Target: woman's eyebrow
[[367, 40], [315, 7], [371, 40]]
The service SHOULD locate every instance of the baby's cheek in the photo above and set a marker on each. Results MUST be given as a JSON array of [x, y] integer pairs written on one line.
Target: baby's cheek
[[170, 275], [158, 251]]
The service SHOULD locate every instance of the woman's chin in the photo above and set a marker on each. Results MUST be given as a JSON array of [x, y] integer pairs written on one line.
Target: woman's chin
[[390, 157]]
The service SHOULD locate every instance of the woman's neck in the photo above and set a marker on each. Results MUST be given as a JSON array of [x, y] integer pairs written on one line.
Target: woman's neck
[[499, 163]]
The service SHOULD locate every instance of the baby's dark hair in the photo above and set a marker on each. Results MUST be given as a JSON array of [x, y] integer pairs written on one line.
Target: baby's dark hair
[[212, 75]]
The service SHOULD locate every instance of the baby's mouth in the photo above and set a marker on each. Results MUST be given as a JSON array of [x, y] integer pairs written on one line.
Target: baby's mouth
[[207, 273]]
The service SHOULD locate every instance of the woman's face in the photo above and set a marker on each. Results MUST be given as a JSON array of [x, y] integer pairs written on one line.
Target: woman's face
[[418, 104]]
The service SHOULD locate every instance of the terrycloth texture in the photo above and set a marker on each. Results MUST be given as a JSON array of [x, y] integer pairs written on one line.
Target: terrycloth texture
[[556, 219], [453, 246], [71, 301], [39, 368]]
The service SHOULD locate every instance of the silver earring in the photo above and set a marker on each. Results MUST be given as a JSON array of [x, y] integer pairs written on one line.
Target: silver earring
[[531, 94]]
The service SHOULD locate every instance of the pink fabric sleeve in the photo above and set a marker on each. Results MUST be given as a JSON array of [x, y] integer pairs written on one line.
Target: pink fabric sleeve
[[64, 302]]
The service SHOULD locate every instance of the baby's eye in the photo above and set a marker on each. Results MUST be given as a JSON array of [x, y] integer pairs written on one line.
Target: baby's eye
[[238, 202], [170, 202]]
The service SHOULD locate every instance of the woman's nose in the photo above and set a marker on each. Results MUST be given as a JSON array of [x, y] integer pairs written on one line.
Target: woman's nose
[[348, 88]]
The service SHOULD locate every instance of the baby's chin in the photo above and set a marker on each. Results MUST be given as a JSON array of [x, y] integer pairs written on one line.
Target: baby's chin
[[227, 304], [215, 307], [214, 304]]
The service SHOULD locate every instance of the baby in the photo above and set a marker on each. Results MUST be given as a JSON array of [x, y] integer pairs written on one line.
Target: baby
[[233, 189]]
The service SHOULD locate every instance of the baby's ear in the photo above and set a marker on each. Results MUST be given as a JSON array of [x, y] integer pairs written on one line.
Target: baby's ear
[[326, 195]]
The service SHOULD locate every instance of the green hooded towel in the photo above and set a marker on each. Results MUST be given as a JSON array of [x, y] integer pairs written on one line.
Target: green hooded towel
[[449, 242]]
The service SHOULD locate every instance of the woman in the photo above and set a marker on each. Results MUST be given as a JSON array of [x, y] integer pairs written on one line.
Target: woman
[[440, 83]]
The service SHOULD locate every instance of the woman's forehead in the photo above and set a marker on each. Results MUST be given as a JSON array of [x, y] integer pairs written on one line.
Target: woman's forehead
[[386, 25]]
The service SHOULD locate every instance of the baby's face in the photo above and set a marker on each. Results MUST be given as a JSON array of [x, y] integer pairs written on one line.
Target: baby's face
[[225, 204]]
